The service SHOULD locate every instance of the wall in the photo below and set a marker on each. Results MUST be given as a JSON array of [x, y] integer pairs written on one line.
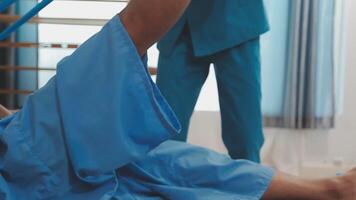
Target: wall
[[342, 141], [337, 147]]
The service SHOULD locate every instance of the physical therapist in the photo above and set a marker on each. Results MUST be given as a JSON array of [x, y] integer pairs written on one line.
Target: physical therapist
[[224, 33]]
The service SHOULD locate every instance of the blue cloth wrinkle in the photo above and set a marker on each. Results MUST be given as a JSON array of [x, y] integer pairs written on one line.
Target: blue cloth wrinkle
[[100, 129]]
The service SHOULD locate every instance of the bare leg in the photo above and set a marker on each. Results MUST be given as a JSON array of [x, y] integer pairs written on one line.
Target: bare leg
[[148, 20], [292, 188]]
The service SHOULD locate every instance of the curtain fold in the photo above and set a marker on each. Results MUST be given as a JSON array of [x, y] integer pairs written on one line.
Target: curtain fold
[[307, 66]]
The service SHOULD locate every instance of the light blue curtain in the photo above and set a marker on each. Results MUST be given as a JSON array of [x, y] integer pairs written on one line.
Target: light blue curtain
[[300, 64], [274, 51]]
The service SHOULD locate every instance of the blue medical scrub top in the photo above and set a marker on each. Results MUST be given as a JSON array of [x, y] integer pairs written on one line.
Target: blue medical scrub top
[[99, 129], [217, 25]]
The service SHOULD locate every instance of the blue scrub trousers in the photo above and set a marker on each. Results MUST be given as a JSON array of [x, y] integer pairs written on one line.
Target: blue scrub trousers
[[181, 76]]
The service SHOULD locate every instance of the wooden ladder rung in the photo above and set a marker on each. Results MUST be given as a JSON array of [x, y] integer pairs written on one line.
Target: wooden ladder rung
[[152, 70]]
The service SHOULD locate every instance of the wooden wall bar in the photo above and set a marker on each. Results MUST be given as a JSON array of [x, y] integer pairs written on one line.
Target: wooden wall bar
[[8, 19], [37, 45], [152, 70]]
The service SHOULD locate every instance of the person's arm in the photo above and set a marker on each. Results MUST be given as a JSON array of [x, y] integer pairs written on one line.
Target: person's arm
[[147, 21]]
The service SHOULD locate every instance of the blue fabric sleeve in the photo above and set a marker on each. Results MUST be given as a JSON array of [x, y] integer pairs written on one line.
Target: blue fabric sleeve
[[100, 112], [111, 111]]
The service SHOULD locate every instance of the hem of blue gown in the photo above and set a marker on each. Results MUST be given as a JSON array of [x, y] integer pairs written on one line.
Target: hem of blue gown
[[266, 180], [266, 177], [163, 109]]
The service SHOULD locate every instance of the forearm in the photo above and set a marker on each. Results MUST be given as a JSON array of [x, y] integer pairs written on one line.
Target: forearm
[[148, 20]]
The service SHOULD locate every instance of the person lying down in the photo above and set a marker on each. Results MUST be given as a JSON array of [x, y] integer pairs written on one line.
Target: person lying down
[[100, 129]]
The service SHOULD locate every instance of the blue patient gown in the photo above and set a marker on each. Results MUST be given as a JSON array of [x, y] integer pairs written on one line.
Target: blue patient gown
[[99, 130]]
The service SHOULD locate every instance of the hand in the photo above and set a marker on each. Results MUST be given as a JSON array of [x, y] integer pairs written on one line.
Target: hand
[[4, 112]]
